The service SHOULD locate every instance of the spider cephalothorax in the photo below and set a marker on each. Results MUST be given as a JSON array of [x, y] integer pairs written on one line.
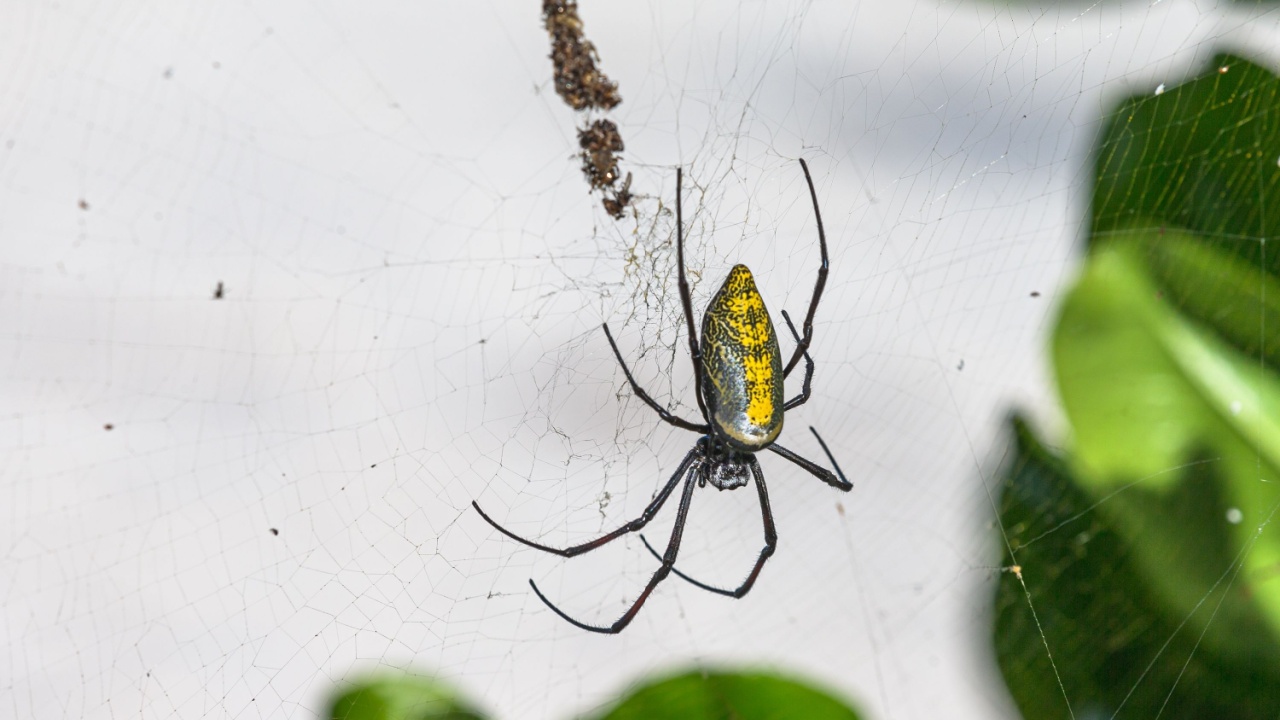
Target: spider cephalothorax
[[722, 466], [738, 377]]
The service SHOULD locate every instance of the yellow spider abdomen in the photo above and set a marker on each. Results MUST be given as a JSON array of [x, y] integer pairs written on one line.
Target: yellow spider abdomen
[[741, 365]]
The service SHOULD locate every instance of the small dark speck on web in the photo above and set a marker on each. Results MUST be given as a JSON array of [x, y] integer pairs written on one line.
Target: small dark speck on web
[[218, 291], [168, 73], [84, 204], [275, 531], [840, 509], [484, 340], [374, 465], [1035, 293], [960, 365], [108, 427]]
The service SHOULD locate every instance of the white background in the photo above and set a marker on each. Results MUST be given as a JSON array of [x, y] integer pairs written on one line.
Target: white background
[[414, 279]]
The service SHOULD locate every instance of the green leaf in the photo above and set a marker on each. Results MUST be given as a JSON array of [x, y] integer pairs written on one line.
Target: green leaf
[[1215, 287], [1080, 624], [401, 698], [724, 695], [1151, 567], [1145, 390], [1200, 156], [1203, 157]]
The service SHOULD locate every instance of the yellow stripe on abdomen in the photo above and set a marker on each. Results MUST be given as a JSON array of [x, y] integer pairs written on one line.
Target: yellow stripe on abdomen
[[759, 389]]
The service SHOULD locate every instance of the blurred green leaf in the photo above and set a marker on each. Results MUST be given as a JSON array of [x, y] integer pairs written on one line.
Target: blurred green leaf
[[1238, 301], [401, 698], [1144, 388], [1142, 384], [1200, 156], [1081, 623], [1203, 157], [724, 696], [1149, 574]]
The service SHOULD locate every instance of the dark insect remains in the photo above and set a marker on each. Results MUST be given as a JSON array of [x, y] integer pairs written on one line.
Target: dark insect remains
[[738, 380]]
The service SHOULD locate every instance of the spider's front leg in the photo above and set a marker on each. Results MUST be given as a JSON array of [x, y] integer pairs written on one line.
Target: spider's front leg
[[770, 543], [668, 563], [634, 525]]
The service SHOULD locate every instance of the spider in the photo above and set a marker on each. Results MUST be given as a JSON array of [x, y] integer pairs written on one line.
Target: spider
[[738, 379]]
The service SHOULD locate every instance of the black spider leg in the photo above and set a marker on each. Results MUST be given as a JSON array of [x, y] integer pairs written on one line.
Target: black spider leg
[[668, 560], [830, 457], [632, 526], [665, 414], [823, 474], [686, 300], [803, 397], [770, 544], [803, 347]]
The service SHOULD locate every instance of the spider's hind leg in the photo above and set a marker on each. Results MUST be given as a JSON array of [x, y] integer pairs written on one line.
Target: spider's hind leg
[[665, 414], [818, 285], [803, 397]]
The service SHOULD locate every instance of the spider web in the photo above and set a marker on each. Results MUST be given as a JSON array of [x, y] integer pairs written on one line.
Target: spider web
[[286, 287]]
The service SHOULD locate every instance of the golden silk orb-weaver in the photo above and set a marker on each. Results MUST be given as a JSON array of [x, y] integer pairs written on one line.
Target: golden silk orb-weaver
[[738, 379]]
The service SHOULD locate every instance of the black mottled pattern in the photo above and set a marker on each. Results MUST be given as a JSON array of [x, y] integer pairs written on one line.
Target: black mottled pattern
[[741, 365]]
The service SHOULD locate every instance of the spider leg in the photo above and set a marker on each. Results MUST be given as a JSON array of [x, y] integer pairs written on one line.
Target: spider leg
[[803, 397], [663, 413], [632, 526], [817, 286], [770, 544], [823, 474], [668, 560], [686, 300], [832, 458]]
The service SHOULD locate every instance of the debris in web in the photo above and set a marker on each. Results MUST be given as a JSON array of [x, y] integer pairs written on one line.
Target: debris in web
[[600, 142], [578, 81], [584, 88], [617, 203]]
